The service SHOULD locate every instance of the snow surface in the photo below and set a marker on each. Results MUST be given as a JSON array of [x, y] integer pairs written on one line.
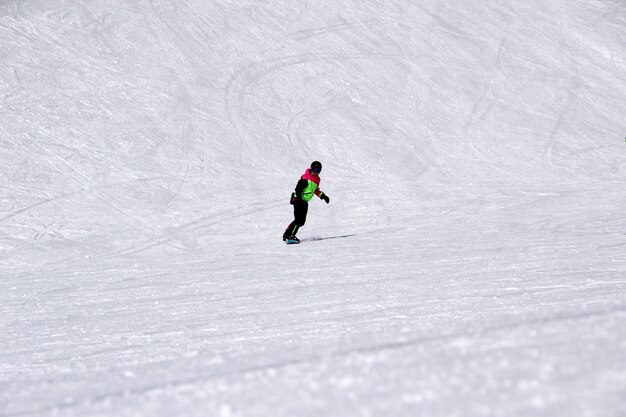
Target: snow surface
[[472, 260]]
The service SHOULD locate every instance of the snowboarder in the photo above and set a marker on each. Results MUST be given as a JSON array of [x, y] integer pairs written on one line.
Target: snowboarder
[[308, 186]]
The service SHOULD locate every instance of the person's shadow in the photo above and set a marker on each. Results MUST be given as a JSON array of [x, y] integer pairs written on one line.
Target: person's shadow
[[313, 239]]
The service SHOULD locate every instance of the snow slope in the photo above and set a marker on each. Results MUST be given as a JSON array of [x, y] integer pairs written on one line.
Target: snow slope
[[471, 261]]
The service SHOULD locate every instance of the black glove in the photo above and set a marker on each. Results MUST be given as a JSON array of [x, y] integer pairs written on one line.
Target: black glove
[[325, 198]]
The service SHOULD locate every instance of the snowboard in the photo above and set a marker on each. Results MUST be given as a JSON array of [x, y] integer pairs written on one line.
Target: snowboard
[[292, 242]]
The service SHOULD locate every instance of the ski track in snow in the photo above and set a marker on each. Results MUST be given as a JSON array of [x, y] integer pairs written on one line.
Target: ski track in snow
[[471, 261]]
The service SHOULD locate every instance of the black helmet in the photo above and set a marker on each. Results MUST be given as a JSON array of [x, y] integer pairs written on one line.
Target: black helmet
[[316, 166]]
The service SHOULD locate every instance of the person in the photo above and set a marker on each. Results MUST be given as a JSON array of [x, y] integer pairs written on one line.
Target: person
[[307, 187]]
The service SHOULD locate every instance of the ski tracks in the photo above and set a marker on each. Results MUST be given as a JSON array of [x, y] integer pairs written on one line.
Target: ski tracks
[[248, 368], [237, 94], [181, 233]]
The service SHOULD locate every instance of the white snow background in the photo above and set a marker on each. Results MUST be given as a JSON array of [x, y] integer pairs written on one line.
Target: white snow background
[[471, 262]]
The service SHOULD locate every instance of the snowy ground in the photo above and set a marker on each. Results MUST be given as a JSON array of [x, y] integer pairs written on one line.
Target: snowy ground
[[472, 261]]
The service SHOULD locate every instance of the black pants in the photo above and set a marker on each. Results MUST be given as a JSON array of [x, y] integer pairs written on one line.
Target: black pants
[[300, 210]]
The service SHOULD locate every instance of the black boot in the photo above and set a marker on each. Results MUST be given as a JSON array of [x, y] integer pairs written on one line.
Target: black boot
[[291, 232]]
